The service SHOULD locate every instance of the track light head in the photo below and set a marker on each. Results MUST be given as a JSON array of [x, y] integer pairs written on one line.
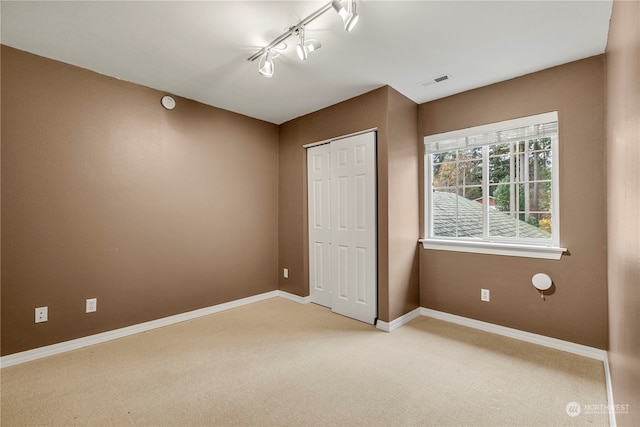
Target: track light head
[[266, 67], [350, 19], [351, 23], [313, 45], [305, 47], [302, 52], [301, 49]]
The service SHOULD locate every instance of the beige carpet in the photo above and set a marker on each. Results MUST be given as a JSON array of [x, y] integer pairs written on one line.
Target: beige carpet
[[277, 362]]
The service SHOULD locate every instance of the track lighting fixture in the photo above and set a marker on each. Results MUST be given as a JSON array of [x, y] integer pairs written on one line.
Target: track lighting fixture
[[305, 47], [301, 50], [266, 66], [349, 16]]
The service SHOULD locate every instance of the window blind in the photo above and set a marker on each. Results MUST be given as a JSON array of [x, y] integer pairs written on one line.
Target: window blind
[[539, 130]]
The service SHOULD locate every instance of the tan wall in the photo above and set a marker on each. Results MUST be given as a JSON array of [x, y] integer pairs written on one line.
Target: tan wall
[[403, 205], [105, 194], [623, 202], [367, 111], [577, 311]]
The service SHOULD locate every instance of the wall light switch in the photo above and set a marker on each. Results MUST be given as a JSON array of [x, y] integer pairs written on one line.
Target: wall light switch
[[485, 295], [286, 273], [92, 305], [42, 314]]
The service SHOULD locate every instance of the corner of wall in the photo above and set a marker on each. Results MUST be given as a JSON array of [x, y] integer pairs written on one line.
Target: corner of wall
[[404, 204], [622, 88]]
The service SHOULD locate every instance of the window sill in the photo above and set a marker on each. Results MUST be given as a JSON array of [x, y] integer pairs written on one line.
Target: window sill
[[507, 249]]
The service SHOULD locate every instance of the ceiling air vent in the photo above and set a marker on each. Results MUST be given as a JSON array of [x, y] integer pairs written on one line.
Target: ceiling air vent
[[435, 80]]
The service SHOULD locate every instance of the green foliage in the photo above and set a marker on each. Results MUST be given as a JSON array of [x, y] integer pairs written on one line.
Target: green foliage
[[533, 221], [502, 195]]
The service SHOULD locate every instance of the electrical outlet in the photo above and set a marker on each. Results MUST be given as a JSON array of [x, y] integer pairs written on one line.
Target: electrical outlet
[[485, 295], [92, 305], [42, 314], [286, 273]]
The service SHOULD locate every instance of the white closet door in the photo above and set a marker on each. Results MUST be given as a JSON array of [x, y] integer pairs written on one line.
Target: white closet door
[[342, 189], [318, 193], [354, 227]]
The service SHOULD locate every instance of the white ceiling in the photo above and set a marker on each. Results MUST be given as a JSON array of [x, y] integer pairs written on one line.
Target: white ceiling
[[199, 50]]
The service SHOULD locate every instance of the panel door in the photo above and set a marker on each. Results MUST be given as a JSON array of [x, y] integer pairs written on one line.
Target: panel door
[[353, 186], [319, 208]]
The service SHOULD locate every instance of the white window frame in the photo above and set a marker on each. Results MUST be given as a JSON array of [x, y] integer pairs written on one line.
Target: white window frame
[[495, 246]]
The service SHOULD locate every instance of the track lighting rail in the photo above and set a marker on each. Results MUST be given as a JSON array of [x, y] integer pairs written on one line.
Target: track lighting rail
[[291, 31], [266, 65]]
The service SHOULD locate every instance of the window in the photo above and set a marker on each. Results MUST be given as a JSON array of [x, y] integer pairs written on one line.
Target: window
[[494, 188]]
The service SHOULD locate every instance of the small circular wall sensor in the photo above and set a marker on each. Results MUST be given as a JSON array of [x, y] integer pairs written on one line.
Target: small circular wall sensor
[[168, 102], [541, 281]]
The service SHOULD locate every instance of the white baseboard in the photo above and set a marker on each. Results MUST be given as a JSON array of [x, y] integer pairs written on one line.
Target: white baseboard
[[294, 298], [50, 350], [579, 349], [396, 323], [607, 381]]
